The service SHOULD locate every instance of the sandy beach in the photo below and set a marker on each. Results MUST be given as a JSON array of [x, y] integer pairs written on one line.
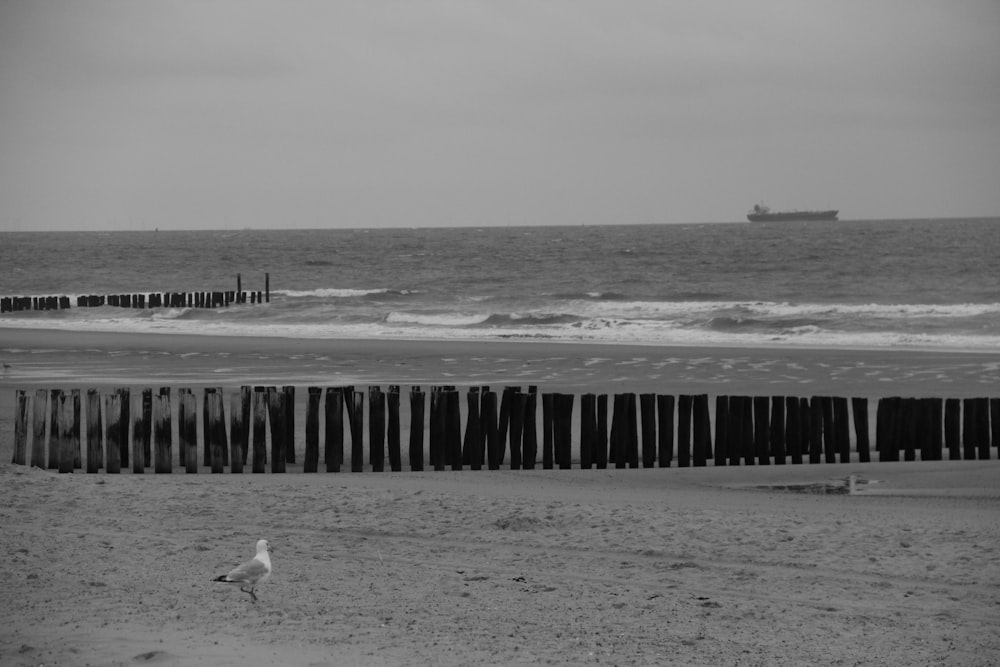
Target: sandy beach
[[874, 564]]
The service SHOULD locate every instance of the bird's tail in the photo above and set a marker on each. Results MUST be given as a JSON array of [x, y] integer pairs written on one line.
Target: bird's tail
[[223, 577]]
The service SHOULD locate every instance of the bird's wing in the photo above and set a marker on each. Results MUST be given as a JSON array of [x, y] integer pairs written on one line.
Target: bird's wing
[[252, 570]]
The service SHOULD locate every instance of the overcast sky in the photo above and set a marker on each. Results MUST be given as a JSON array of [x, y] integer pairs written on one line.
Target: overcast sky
[[129, 114]]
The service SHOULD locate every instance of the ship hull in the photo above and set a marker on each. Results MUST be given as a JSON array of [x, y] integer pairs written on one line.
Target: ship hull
[[793, 216]]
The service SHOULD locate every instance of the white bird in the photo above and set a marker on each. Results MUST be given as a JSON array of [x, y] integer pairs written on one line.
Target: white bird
[[254, 572]]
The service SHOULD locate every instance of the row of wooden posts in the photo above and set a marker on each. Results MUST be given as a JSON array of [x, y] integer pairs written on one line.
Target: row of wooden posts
[[645, 431], [210, 299]]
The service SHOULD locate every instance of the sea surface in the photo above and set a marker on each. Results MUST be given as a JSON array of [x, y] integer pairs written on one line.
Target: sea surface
[[927, 284]]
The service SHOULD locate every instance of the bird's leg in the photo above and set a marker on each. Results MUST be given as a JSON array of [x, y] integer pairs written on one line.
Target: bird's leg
[[252, 594]]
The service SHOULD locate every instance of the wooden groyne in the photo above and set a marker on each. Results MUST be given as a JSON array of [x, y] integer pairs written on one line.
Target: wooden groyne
[[186, 299], [493, 431]]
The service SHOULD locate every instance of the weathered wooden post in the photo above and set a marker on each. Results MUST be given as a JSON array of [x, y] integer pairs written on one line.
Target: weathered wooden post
[[547, 421], [503, 422], [588, 429], [721, 430], [39, 413], [437, 448], [187, 428], [453, 428], [976, 431], [562, 430], [64, 418], [684, 430], [489, 415], [95, 431], [842, 428], [239, 427], [113, 435], [146, 425], [21, 429], [817, 428], [310, 462], [75, 429], [995, 423], [762, 429], [517, 401], [529, 436], [333, 443], [267, 287], [601, 443], [161, 432], [859, 407], [472, 451], [702, 427], [259, 429], [647, 412], [953, 427], [356, 415], [289, 391], [793, 429], [734, 430], [416, 448], [619, 430], [778, 429], [935, 409], [633, 431], [54, 412], [277, 404], [392, 428], [376, 428], [908, 428]]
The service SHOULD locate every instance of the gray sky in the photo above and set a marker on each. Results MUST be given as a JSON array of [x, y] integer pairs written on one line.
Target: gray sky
[[128, 114]]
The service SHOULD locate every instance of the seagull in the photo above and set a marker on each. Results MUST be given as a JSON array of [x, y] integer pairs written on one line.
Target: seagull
[[252, 573]]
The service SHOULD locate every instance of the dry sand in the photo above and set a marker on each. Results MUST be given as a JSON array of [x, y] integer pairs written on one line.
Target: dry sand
[[709, 566]]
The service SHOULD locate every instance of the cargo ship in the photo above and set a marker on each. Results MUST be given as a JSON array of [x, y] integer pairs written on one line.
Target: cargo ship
[[761, 213]]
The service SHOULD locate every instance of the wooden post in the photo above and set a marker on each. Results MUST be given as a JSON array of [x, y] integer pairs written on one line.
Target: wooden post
[[547, 425], [762, 429], [489, 415], [277, 405], [817, 428], [187, 429], [516, 427], [859, 406], [504, 420], [65, 419], [113, 435], [647, 411], [793, 429], [376, 428], [95, 431], [983, 428], [907, 428], [289, 392], [453, 428], [588, 430], [146, 424], [562, 430], [416, 449], [161, 432], [702, 424], [21, 429], [601, 451], [267, 287], [259, 429], [633, 432], [778, 429], [333, 450], [805, 426], [953, 427], [437, 447], [392, 428], [665, 434], [472, 452], [721, 430], [213, 445], [684, 406], [39, 413], [842, 428], [529, 437], [237, 431], [619, 431], [311, 461], [995, 423], [734, 430], [357, 420], [54, 412], [935, 408]]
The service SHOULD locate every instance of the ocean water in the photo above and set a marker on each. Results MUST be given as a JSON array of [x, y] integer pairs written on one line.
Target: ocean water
[[928, 284]]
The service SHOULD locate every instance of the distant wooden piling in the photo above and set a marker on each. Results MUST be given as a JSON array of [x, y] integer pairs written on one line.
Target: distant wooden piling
[[777, 442], [859, 407], [953, 428], [472, 449], [310, 462], [647, 416], [453, 429], [842, 430], [529, 435], [548, 447], [702, 430], [562, 430], [54, 412], [516, 428], [588, 430], [684, 412], [601, 451], [356, 412], [721, 430], [793, 429], [95, 431], [762, 429]]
